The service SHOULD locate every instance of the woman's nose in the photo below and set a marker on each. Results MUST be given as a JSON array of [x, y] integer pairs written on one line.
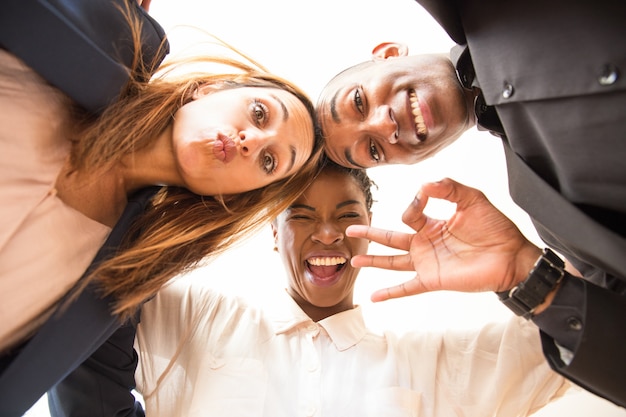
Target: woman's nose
[[250, 141], [327, 234]]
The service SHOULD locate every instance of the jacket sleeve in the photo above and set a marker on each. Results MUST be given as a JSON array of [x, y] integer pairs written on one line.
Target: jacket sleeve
[[587, 320], [101, 386]]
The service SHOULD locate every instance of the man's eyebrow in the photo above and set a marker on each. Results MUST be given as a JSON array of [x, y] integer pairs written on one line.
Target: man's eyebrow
[[348, 154], [333, 108], [282, 105]]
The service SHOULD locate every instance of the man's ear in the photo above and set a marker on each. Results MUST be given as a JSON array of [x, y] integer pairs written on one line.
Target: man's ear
[[389, 50], [275, 234]]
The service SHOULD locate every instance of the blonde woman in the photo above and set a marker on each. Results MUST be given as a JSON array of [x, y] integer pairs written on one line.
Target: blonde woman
[[229, 150]]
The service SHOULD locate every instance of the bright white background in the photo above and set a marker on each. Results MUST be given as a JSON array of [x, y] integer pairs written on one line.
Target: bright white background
[[309, 42]]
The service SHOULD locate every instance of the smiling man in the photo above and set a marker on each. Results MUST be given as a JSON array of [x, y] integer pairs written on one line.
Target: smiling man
[[548, 79], [394, 111]]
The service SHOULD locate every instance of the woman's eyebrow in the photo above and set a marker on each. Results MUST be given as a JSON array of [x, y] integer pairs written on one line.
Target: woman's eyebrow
[[302, 206], [293, 158], [347, 203], [282, 106]]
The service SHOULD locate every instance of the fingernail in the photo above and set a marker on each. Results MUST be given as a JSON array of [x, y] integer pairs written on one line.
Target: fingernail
[[417, 198]]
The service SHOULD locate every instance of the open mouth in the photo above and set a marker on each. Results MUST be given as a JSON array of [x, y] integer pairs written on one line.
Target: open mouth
[[326, 270], [420, 127]]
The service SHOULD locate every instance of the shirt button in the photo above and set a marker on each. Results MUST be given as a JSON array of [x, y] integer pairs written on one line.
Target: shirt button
[[609, 75], [217, 363], [508, 90], [574, 323]]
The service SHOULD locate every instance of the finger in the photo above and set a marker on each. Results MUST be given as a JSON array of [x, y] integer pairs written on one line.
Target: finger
[[452, 191], [391, 262], [395, 240], [414, 216], [407, 288]]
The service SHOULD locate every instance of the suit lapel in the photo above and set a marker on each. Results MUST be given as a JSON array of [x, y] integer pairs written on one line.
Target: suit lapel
[[587, 239]]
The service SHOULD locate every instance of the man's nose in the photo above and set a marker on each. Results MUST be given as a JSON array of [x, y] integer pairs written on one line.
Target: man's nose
[[327, 234], [383, 122]]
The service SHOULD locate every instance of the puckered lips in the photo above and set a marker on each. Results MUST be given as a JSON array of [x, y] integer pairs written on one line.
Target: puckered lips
[[325, 271], [224, 148], [421, 131]]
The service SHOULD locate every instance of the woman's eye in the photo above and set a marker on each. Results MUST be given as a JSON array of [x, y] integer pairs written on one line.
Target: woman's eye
[[374, 152], [260, 112], [358, 101], [349, 215], [299, 217], [268, 163]]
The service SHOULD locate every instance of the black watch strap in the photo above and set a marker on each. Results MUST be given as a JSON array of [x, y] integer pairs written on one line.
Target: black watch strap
[[546, 274]]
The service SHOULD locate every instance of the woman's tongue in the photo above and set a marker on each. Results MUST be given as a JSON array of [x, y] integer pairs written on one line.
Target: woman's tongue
[[324, 275], [323, 271]]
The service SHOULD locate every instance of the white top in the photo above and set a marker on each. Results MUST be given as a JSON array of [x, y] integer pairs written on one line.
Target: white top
[[202, 353], [45, 245]]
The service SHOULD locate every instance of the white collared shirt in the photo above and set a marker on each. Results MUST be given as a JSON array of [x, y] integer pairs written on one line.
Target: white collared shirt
[[206, 354]]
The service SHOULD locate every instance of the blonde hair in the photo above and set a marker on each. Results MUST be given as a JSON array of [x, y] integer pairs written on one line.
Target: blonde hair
[[179, 228]]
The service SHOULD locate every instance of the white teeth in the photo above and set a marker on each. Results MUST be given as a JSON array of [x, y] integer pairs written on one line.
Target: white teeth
[[330, 261], [417, 114]]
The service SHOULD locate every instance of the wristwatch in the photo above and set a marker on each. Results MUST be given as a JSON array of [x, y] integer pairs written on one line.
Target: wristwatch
[[546, 274]]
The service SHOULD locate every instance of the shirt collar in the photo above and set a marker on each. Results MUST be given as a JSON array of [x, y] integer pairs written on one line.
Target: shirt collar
[[286, 314], [345, 329], [486, 116], [462, 61]]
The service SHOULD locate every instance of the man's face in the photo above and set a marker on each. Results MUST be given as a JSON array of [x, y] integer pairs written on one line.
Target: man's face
[[399, 110]]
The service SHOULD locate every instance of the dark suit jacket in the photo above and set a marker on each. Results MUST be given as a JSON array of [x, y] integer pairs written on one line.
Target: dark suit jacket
[[69, 337], [82, 47], [556, 73]]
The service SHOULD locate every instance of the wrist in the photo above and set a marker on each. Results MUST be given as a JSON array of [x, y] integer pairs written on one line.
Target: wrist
[[535, 293], [548, 300], [525, 262]]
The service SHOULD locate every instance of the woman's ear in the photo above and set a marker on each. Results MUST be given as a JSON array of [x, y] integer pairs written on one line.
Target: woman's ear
[[202, 91], [199, 92], [387, 50]]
